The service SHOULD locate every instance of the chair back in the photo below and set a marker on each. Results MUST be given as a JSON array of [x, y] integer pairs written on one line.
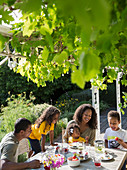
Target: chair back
[[23, 147]]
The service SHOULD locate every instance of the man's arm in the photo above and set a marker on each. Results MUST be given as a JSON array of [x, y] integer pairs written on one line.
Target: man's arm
[[7, 165]]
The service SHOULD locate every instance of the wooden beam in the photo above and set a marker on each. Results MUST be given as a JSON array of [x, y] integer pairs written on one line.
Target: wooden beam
[[5, 31], [3, 61], [12, 55]]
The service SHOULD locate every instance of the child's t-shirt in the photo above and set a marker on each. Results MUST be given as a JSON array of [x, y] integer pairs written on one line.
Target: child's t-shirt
[[80, 139], [110, 136], [42, 130]]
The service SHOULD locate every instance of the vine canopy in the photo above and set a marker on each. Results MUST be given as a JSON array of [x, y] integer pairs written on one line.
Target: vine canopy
[[56, 37]]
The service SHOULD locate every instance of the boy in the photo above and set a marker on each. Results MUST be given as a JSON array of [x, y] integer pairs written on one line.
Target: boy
[[114, 136]]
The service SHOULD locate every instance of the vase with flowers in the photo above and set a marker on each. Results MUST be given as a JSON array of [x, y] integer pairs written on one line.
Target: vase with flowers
[[51, 162]]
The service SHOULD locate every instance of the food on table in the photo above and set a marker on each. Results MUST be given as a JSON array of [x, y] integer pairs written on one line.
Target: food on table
[[116, 138], [86, 155], [65, 150], [81, 157], [73, 161]]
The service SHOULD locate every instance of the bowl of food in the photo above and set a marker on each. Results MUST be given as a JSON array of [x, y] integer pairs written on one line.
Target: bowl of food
[[73, 161]]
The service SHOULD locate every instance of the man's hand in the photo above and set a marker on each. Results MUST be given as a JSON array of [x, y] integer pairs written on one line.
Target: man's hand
[[34, 164]]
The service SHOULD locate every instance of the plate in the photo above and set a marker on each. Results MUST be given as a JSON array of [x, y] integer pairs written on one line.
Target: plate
[[107, 158], [73, 147]]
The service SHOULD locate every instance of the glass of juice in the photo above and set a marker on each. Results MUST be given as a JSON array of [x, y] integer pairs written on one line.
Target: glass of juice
[[97, 162]]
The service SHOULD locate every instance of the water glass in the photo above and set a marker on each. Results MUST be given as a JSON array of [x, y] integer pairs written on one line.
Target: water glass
[[81, 146], [99, 146]]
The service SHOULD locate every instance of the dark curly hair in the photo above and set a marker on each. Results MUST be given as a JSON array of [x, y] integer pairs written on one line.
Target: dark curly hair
[[72, 126], [47, 115], [115, 114], [79, 112]]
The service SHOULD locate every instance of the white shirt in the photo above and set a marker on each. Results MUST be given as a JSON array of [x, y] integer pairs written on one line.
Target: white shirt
[[110, 136]]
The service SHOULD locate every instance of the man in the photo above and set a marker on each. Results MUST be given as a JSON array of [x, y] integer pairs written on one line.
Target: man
[[9, 146]]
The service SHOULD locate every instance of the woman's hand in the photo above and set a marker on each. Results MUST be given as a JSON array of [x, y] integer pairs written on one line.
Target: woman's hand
[[87, 139]]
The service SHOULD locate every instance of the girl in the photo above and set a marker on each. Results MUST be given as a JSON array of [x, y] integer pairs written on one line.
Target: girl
[[44, 125], [74, 133]]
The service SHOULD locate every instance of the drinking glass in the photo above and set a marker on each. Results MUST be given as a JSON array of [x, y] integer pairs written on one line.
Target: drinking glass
[[81, 146], [99, 146], [97, 162], [65, 148]]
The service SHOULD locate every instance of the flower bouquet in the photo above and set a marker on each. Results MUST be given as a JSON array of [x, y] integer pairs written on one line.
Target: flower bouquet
[[51, 162]]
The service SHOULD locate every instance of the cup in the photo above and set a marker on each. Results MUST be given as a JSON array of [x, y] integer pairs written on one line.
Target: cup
[[81, 146], [99, 146], [65, 148], [97, 162]]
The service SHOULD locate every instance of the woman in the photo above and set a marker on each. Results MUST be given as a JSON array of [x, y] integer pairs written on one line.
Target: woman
[[86, 117]]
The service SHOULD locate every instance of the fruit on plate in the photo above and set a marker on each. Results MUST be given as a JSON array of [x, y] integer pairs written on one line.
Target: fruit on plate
[[116, 138], [74, 158]]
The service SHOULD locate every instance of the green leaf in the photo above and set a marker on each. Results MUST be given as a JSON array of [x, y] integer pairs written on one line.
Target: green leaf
[[50, 41], [6, 17], [45, 55], [45, 28], [60, 58], [28, 27], [87, 12], [28, 6], [104, 42], [77, 78], [2, 42], [89, 64]]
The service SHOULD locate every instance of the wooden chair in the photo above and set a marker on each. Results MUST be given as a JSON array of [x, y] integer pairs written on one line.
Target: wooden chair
[[63, 131], [23, 147]]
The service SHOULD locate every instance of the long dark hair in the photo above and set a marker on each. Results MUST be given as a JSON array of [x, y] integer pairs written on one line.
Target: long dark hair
[[47, 115], [79, 112]]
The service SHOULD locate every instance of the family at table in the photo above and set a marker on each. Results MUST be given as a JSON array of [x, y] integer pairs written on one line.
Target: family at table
[[81, 129]]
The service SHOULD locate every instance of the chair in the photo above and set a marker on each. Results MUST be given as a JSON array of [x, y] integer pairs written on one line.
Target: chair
[[23, 147], [63, 131]]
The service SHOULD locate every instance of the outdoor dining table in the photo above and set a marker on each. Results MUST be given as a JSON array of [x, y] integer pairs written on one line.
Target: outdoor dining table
[[119, 157]]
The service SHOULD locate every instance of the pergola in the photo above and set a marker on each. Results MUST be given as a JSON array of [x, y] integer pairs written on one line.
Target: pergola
[[5, 31], [95, 103]]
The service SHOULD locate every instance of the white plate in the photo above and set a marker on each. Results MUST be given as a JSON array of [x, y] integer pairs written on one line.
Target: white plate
[[73, 147], [107, 158]]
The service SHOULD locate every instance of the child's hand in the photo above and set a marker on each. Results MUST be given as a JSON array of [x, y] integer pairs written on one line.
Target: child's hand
[[120, 141]]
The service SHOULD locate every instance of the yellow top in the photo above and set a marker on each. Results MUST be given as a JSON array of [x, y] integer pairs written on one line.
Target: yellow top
[[80, 139], [42, 130]]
